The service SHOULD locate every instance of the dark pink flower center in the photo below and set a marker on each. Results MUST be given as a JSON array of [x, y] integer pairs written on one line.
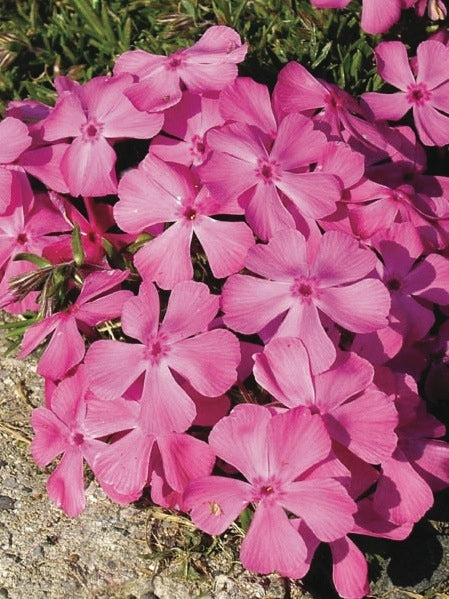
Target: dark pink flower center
[[393, 284], [268, 170], [333, 101], [418, 94], [197, 149], [77, 439], [190, 213], [22, 238], [91, 131], [174, 62], [267, 490], [304, 289], [156, 349]]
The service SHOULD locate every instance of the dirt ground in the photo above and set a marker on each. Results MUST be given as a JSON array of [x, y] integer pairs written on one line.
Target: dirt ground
[[141, 552]]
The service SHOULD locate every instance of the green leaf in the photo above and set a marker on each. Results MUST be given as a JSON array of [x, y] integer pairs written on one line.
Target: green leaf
[[77, 246], [34, 259]]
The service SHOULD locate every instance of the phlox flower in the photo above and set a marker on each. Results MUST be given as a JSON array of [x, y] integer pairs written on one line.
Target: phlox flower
[[242, 167], [71, 425], [427, 93], [377, 17], [155, 450], [420, 463], [94, 115], [181, 344], [29, 226], [158, 193], [92, 307], [354, 412], [208, 65], [14, 140], [298, 286], [411, 280], [436, 9], [186, 125], [276, 454]]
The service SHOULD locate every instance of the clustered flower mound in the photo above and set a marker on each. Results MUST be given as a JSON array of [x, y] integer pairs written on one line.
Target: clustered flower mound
[[237, 316]]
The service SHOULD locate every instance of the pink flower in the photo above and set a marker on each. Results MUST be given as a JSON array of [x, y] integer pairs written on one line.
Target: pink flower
[[354, 412], [420, 463], [14, 140], [71, 425], [181, 344], [92, 115], [241, 167], [152, 451], [298, 286], [186, 125], [427, 93], [159, 193], [376, 17], [209, 65], [276, 454], [66, 347]]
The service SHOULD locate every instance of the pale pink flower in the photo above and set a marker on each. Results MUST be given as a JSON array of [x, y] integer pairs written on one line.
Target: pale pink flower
[[159, 193], [181, 344], [427, 93], [152, 452], [242, 168], [186, 125], [70, 425], [92, 307], [354, 412], [94, 115], [276, 454], [297, 287], [208, 65]]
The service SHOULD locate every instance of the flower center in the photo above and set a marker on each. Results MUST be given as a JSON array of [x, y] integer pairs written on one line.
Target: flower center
[[174, 62], [304, 289], [268, 170], [22, 238], [197, 149], [77, 439], [418, 94], [333, 102], [91, 131], [156, 350], [190, 213], [393, 284]]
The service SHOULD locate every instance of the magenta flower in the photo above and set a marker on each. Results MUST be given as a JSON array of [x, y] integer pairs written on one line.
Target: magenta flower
[[159, 193], [299, 286], [71, 425], [276, 455], [209, 65], [241, 164], [354, 412], [181, 344], [427, 93], [92, 307], [94, 115]]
